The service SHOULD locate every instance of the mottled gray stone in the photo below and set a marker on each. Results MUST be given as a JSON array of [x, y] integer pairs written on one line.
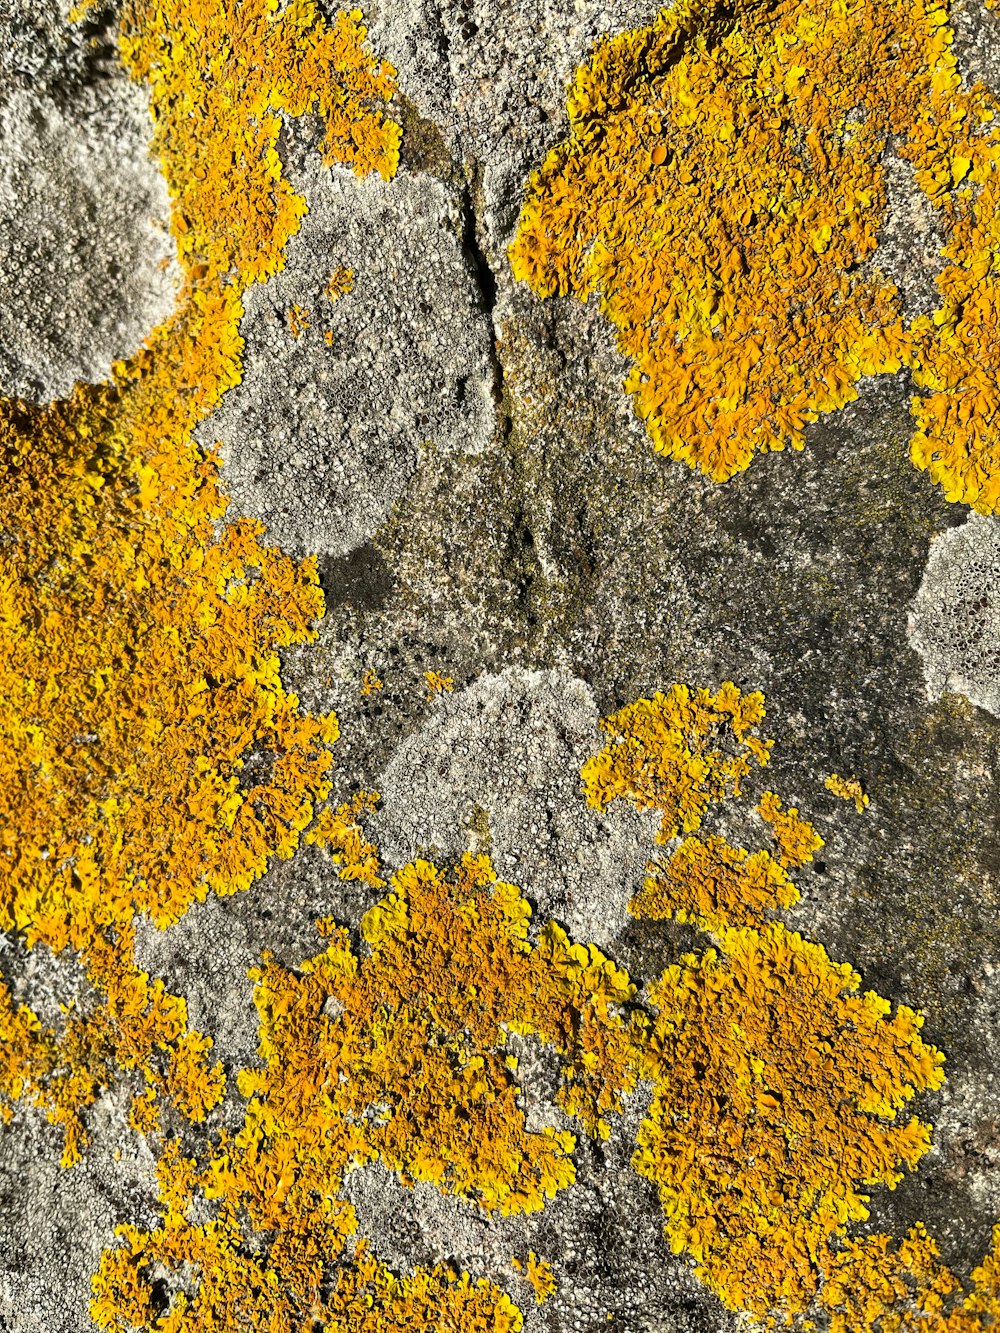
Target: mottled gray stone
[[512, 746], [51, 985], [327, 427], [85, 254], [207, 956], [955, 621], [601, 1236], [977, 42], [526, 540], [910, 241], [56, 1221], [493, 74]]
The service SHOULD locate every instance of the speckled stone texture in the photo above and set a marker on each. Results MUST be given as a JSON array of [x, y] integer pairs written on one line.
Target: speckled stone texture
[[326, 429], [955, 622], [86, 266], [462, 459]]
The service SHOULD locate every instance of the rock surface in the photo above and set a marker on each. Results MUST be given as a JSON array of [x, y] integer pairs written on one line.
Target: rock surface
[[325, 430], [463, 461], [86, 255], [955, 624]]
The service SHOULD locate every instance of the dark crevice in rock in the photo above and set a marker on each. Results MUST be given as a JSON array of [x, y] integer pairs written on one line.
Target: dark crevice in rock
[[483, 274], [522, 541]]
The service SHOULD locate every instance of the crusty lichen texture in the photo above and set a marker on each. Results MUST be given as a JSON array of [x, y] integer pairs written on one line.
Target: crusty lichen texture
[[778, 1086], [848, 789], [875, 1285], [141, 634], [722, 190], [678, 753], [397, 1056], [140, 630], [136, 1026]]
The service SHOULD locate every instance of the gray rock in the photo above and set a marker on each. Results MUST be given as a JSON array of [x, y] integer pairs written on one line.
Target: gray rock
[[326, 428], [601, 1236], [525, 540], [910, 241], [85, 254], [509, 748], [955, 621], [55, 1222], [493, 76], [977, 41]]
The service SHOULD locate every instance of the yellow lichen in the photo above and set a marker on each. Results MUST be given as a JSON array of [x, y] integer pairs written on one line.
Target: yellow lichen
[[341, 833], [437, 683], [678, 753], [848, 789], [140, 630], [707, 881], [313, 1275], [370, 682], [723, 188], [796, 838], [298, 320], [141, 660], [872, 1285], [777, 1086], [451, 969], [221, 74], [141, 635], [341, 283], [777, 1091], [539, 1274], [136, 1025], [397, 1056]]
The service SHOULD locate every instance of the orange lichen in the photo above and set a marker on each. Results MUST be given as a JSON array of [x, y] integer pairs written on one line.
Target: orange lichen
[[142, 667], [848, 789], [341, 283], [450, 970], [438, 683], [298, 320], [796, 838], [777, 1091], [539, 1274], [221, 75], [59, 1074], [398, 1056], [135, 1025], [777, 1086], [140, 633], [141, 662], [707, 881], [312, 1276], [872, 1285], [678, 753], [370, 682], [341, 833], [723, 188]]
